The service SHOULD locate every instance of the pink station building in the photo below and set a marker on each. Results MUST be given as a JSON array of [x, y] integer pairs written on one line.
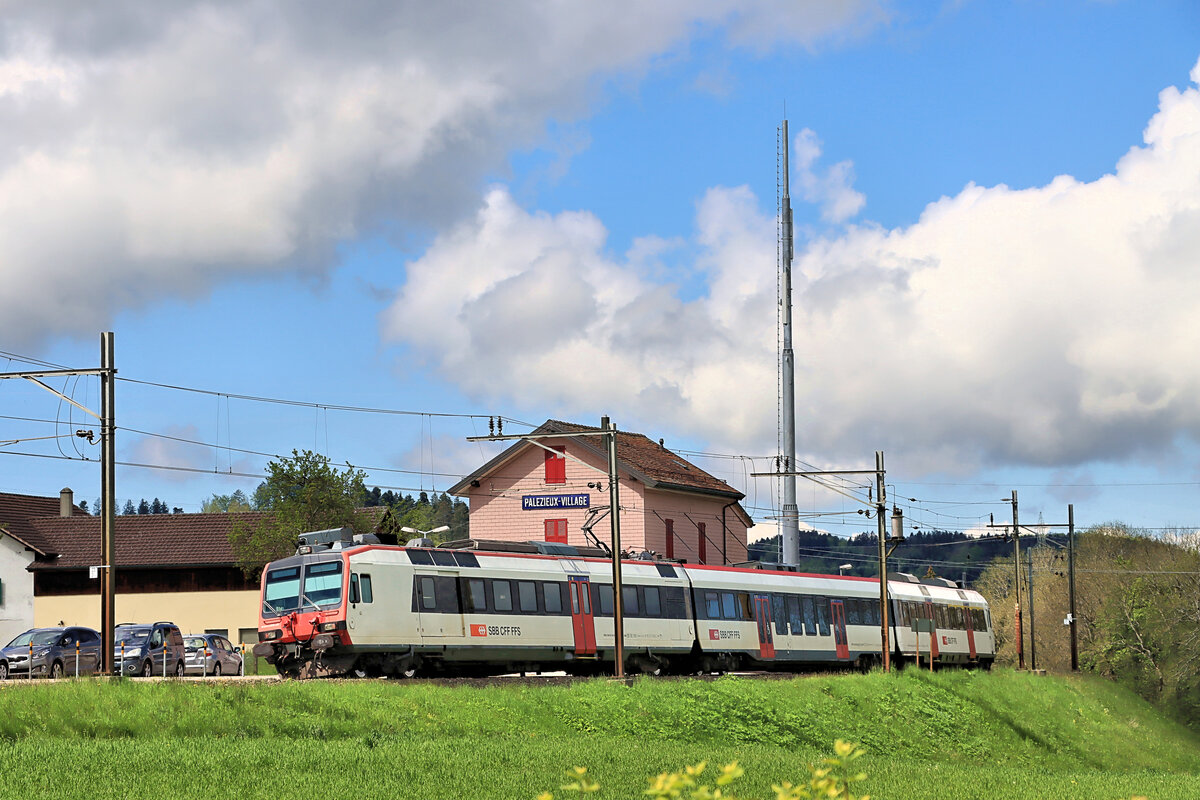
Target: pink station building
[[668, 505]]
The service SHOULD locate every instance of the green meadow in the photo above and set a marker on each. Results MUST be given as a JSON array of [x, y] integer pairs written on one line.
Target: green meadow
[[953, 734]]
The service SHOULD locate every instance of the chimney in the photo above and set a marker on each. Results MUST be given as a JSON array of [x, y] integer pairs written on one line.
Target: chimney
[[66, 503]]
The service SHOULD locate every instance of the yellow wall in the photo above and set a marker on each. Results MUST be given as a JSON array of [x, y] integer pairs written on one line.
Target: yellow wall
[[193, 612]]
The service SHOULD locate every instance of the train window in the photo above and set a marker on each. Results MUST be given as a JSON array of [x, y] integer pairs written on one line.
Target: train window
[[604, 599], [586, 592], [810, 615], [794, 621], [281, 592], [870, 612], [444, 558], [712, 605], [666, 570], [980, 619], [420, 557], [428, 600], [746, 605], [446, 591], [675, 604], [465, 558], [552, 597], [779, 611], [822, 604], [364, 582], [653, 605], [527, 593], [729, 609], [942, 615], [502, 599], [476, 596], [853, 612], [323, 583], [629, 601]]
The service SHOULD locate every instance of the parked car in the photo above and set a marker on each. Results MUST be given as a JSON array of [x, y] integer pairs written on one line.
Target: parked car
[[210, 654], [53, 653], [148, 649]]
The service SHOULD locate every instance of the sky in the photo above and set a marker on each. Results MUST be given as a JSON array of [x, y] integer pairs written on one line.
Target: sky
[[402, 219]]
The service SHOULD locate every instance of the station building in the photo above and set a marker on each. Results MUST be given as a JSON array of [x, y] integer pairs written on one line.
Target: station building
[[557, 491]]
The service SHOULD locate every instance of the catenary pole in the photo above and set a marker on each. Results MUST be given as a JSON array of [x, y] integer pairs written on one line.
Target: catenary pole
[[1071, 585], [1017, 583], [615, 501], [880, 514], [1032, 629], [108, 462]]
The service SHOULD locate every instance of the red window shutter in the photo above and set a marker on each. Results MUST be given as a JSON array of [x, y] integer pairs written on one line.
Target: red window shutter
[[556, 530], [670, 539], [703, 543], [556, 466]]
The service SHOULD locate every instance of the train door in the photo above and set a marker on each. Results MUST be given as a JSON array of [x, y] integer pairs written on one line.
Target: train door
[[840, 644], [581, 616], [439, 612], [762, 616], [969, 624], [933, 635]]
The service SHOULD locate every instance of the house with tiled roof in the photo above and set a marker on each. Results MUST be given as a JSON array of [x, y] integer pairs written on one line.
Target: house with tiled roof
[[556, 491], [20, 545], [178, 567]]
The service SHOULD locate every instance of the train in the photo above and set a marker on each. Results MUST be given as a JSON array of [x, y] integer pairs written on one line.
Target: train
[[351, 605]]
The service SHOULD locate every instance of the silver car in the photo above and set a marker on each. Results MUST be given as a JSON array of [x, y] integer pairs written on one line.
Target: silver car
[[54, 653], [210, 654]]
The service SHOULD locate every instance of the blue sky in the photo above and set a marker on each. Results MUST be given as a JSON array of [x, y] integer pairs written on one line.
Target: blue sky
[[570, 213]]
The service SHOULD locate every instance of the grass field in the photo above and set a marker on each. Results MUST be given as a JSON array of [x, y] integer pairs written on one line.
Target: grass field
[[948, 735]]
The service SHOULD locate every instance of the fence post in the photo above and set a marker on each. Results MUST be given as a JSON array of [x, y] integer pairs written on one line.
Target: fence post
[[76, 658], [122, 659], [31, 659]]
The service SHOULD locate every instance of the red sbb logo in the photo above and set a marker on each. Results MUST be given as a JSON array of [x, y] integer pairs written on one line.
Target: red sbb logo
[[714, 634], [479, 630]]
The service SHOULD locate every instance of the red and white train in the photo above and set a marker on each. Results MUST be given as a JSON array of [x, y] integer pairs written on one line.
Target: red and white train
[[348, 606]]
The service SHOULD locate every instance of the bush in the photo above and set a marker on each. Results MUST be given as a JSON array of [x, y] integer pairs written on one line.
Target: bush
[[832, 779]]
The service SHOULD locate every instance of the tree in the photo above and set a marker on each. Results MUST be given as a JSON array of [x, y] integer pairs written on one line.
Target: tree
[[303, 493], [226, 503], [143, 507], [129, 509]]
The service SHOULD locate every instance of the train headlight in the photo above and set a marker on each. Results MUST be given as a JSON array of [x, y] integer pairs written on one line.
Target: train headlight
[[328, 626], [267, 636]]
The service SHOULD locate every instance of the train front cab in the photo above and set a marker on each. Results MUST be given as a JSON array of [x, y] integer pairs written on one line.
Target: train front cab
[[302, 609]]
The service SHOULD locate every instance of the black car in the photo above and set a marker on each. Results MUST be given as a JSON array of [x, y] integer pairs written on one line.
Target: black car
[[54, 653], [148, 649]]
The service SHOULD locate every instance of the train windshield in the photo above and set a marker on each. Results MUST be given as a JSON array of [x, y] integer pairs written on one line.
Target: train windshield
[[311, 587]]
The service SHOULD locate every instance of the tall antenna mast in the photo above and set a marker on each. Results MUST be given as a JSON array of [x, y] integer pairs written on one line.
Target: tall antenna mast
[[791, 519]]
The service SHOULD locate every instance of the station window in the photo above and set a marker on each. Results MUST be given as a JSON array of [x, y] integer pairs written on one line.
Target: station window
[[556, 465], [670, 545], [556, 530], [703, 553]]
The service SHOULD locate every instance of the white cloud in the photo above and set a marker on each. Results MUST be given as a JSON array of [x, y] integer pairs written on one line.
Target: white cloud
[[158, 149], [832, 190], [1055, 325]]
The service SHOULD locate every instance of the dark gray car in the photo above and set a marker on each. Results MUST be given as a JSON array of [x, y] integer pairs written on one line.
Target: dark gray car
[[148, 649], [54, 653]]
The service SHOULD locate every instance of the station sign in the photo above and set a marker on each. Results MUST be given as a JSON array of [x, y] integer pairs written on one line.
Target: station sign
[[538, 502]]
